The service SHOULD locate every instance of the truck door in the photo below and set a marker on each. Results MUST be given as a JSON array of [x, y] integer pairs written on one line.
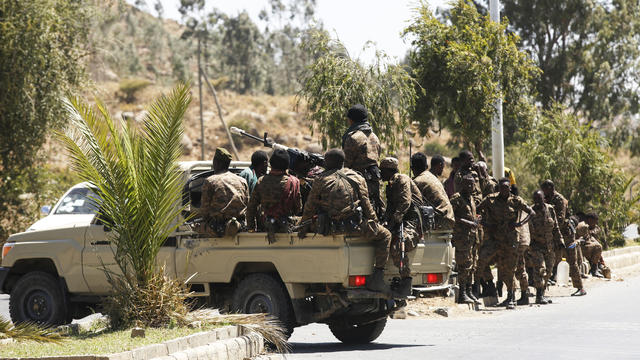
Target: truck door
[[98, 255]]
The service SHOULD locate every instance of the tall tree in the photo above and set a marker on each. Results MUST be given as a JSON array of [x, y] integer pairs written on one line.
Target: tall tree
[[588, 51], [334, 82], [464, 63], [42, 46]]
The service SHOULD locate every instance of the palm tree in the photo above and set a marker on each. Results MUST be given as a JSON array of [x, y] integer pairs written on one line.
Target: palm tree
[[134, 172]]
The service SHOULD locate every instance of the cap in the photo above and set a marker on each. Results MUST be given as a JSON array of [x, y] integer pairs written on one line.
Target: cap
[[358, 113], [389, 163], [222, 154]]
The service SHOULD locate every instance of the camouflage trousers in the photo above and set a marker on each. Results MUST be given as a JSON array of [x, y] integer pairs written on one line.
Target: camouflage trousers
[[381, 238], [572, 256], [466, 251], [412, 236], [592, 251], [521, 267], [500, 248], [537, 260], [373, 186]]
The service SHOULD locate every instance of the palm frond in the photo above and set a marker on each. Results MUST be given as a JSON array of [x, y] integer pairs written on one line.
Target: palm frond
[[28, 331]]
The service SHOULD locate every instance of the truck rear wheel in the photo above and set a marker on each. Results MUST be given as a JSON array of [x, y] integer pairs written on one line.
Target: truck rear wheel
[[358, 334], [38, 297], [262, 293]]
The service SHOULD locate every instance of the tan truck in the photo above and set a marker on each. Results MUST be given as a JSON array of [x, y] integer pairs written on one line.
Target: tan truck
[[53, 271]]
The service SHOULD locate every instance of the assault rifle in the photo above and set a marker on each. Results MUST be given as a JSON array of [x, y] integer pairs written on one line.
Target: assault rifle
[[296, 156]]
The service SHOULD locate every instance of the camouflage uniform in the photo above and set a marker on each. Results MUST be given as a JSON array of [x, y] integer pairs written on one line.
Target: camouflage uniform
[[477, 189], [337, 197], [465, 238], [560, 206], [224, 202], [269, 194], [433, 194], [544, 231], [524, 240], [502, 242], [591, 249], [403, 197], [362, 151]]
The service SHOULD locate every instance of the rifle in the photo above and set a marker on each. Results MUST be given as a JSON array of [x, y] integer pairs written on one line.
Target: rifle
[[295, 155]]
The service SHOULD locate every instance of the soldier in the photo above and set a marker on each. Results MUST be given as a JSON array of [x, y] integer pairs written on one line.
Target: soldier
[[432, 191], [524, 240], [449, 186], [258, 167], [362, 151], [588, 234], [437, 165], [544, 231], [224, 198], [560, 206], [341, 195], [500, 214], [465, 238], [467, 168], [278, 195], [402, 217]]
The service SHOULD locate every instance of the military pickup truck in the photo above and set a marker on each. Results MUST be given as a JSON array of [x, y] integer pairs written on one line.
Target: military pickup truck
[[53, 271]]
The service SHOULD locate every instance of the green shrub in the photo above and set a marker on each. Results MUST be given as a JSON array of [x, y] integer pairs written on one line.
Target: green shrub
[[129, 87]]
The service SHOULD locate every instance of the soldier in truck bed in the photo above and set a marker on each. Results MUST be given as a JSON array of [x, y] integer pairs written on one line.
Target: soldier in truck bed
[[340, 195], [362, 151], [224, 198], [278, 195]]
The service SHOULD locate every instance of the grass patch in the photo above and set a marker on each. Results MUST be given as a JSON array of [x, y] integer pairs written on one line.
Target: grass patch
[[97, 344]]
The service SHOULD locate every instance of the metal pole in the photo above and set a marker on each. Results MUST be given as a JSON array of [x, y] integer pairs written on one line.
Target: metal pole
[[497, 140], [200, 101]]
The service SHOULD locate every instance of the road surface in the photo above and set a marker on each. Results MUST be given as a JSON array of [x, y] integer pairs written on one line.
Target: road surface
[[605, 324]]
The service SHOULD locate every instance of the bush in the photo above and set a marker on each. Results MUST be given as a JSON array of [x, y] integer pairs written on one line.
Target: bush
[[129, 87]]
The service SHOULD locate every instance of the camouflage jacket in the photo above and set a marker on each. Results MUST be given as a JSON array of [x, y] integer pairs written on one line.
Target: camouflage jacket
[[361, 147], [269, 193], [463, 208], [402, 194], [544, 229], [433, 194], [561, 208], [501, 214], [224, 195], [334, 195], [590, 235]]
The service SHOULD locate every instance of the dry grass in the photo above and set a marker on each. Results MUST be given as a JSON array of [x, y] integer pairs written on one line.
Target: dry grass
[[266, 325], [28, 332]]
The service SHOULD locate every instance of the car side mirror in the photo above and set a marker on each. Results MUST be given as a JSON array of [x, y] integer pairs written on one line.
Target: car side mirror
[[45, 210]]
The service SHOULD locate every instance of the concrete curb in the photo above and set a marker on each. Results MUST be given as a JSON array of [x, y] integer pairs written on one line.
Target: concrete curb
[[225, 343], [623, 257]]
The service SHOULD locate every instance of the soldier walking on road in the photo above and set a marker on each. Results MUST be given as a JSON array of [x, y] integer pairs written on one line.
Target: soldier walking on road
[[342, 197], [560, 206], [544, 231], [500, 214], [402, 217], [278, 195], [224, 198], [362, 151], [432, 191], [465, 238]]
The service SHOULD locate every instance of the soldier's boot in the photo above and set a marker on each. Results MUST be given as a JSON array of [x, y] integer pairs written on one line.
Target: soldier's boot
[[524, 297], [511, 300], [540, 299], [471, 295], [376, 281], [489, 289], [404, 288], [463, 295]]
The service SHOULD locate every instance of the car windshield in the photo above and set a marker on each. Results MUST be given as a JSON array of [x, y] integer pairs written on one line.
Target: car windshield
[[78, 201]]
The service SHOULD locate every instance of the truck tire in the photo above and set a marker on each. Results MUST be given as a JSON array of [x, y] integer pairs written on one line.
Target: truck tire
[[262, 293], [358, 334], [38, 297]]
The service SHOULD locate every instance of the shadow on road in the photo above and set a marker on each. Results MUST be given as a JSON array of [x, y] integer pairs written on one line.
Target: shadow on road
[[306, 348]]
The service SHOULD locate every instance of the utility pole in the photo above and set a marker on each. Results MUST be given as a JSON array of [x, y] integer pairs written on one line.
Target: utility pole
[[200, 100], [497, 139]]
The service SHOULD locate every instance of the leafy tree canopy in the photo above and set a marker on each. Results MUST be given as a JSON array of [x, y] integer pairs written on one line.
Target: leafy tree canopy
[[464, 64], [334, 82]]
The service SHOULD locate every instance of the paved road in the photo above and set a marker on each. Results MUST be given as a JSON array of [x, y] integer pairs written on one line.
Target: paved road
[[605, 324]]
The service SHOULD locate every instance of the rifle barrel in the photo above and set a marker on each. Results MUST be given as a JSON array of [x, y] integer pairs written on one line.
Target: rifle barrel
[[235, 130]]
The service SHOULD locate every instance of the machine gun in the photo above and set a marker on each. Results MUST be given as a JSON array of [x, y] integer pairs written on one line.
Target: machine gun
[[296, 156]]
